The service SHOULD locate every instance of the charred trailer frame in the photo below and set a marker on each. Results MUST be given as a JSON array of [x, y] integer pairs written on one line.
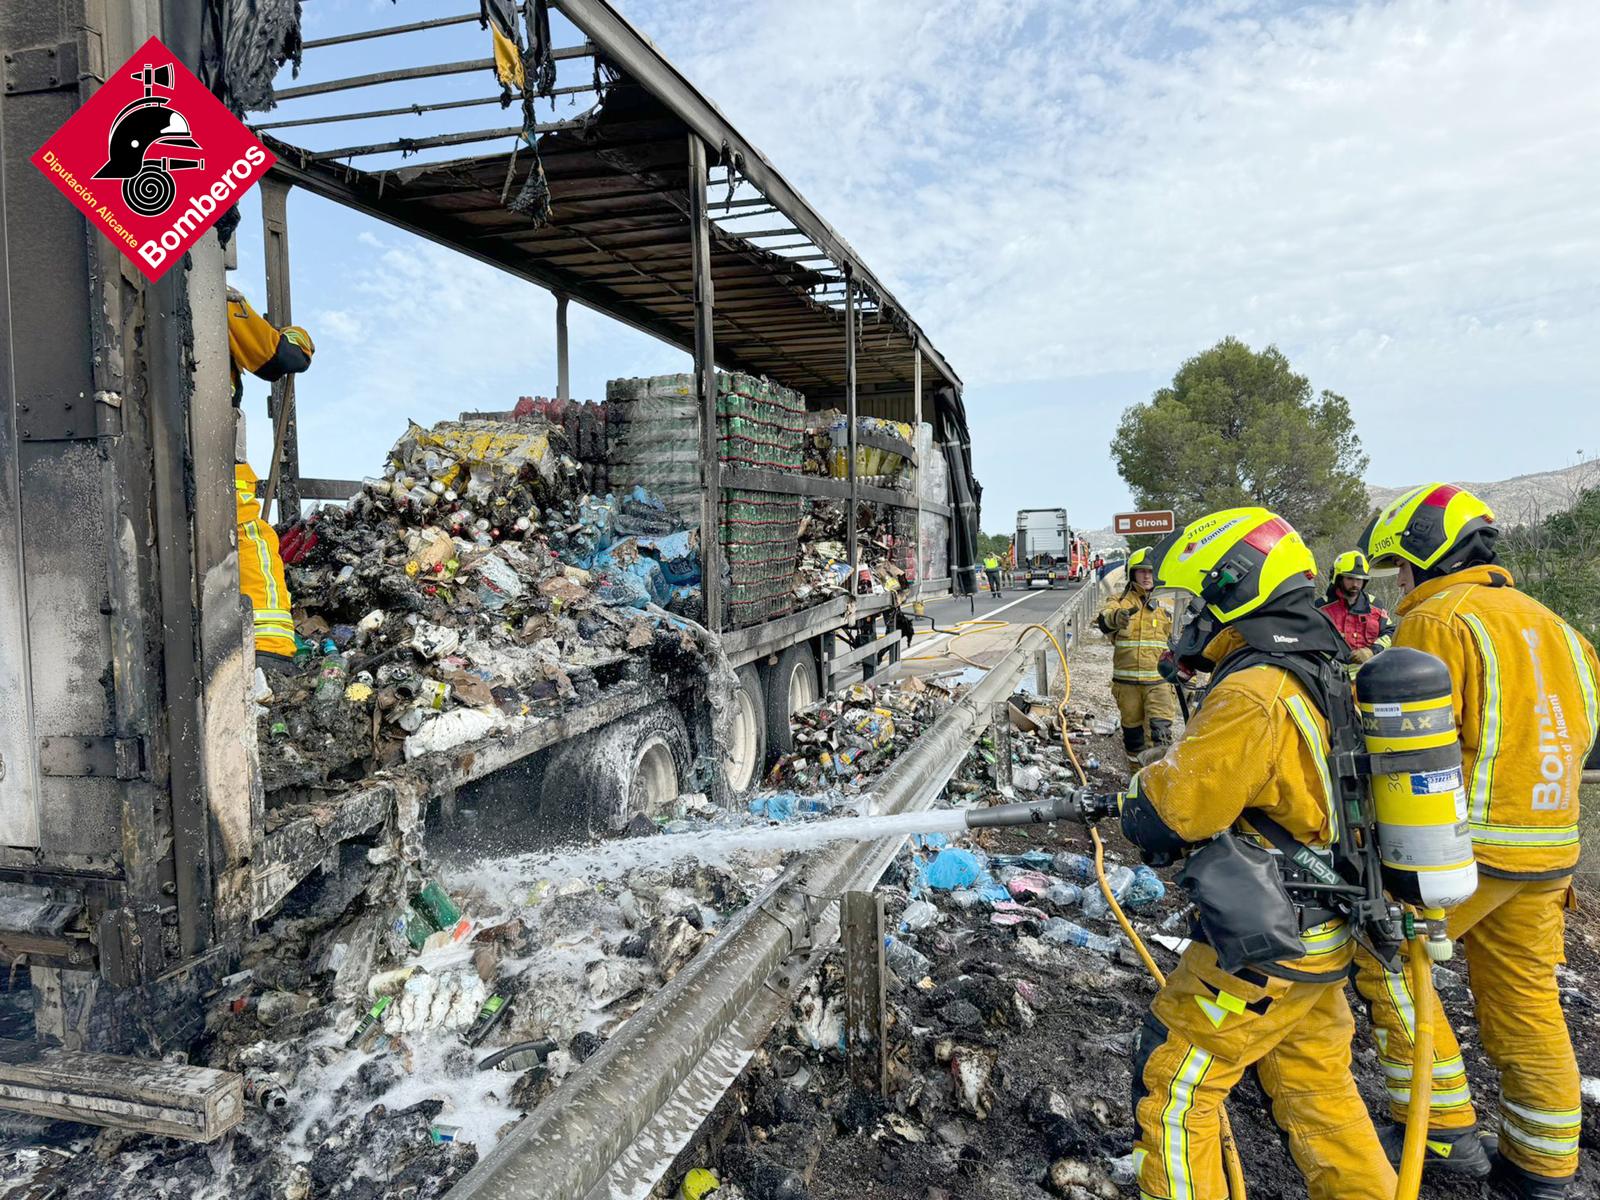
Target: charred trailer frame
[[128, 816], [133, 850]]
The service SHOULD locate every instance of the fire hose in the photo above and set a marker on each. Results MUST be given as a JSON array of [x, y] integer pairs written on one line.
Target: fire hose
[[1083, 807]]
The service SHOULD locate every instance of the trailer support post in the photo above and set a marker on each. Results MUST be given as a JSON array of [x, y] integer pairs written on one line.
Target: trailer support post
[[705, 373], [563, 364], [916, 435], [850, 428], [283, 475]]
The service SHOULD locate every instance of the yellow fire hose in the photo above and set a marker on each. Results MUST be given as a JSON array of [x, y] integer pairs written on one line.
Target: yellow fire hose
[[1416, 1143], [958, 631], [1230, 1150], [1409, 1178]]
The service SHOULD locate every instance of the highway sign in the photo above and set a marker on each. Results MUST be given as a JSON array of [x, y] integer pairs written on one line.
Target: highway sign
[[1144, 522]]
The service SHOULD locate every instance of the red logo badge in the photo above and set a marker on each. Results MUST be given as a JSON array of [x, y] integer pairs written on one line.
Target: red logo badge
[[153, 159]]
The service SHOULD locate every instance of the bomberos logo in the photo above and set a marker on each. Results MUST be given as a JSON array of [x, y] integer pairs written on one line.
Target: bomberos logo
[[153, 159]]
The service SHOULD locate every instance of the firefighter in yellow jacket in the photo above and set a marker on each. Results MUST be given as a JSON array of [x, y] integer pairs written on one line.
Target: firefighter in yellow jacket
[[1525, 688], [1253, 760], [269, 353], [1140, 627]]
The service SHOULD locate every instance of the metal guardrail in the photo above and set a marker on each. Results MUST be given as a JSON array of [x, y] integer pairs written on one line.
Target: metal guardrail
[[616, 1124]]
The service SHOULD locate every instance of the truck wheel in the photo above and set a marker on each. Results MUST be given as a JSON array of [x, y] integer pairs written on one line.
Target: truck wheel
[[746, 756], [597, 783], [791, 686]]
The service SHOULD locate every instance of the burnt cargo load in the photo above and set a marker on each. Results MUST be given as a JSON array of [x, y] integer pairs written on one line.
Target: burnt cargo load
[[471, 589], [150, 815], [474, 588]]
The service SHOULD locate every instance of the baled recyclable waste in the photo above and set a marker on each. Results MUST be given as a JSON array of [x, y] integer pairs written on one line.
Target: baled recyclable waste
[[472, 589]]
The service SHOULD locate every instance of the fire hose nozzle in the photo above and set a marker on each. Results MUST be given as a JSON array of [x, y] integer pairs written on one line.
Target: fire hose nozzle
[[1440, 947], [1075, 805]]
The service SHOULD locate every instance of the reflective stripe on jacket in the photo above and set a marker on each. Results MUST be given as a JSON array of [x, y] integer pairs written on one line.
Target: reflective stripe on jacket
[[1360, 627], [257, 346], [1526, 704], [261, 569], [1258, 742], [1140, 628]]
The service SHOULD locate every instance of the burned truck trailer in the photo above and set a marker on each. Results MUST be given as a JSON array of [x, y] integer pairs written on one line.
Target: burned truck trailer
[[138, 845]]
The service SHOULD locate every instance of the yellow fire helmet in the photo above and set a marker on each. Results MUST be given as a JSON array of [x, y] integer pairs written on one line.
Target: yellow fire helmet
[[1139, 558], [1235, 561], [1351, 562], [1424, 524]]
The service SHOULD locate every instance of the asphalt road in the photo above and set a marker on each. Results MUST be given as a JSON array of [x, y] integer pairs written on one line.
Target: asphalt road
[[966, 639]]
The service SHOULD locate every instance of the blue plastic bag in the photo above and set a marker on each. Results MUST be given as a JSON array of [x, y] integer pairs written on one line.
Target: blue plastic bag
[[952, 868], [680, 561]]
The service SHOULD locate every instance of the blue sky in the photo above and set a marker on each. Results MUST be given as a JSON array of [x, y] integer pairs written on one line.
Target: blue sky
[[1071, 196]]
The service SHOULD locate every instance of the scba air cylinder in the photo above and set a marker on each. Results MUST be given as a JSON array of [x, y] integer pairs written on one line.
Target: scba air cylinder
[[1419, 799]]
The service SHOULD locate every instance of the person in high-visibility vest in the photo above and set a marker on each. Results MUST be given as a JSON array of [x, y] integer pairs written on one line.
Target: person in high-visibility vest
[[1527, 705], [991, 568], [270, 353], [1140, 627]]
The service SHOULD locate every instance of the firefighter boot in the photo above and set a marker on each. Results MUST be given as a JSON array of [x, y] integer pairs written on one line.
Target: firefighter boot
[[1456, 1152], [1525, 1185], [1133, 741]]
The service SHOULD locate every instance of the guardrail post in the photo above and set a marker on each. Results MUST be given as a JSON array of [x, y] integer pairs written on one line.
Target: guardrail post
[[1000, 736], [866, 1013], [1041, 670]]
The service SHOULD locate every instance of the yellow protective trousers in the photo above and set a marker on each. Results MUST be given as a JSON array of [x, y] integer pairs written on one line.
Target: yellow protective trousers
[[1206, 1028], [1147, 712], [261, 570], [1513, 930]]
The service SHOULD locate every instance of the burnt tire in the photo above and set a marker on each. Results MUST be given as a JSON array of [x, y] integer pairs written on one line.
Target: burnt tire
[[744, 761], [791, 685], [595, 784]]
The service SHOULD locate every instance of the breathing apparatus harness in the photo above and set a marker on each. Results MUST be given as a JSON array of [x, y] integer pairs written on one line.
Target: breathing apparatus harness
[[1395, 771], [1379, 766], [1346, 879]]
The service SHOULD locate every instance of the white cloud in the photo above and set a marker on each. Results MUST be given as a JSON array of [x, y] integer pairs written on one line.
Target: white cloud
[[1399, 194], [1072, 196], [339, 323]]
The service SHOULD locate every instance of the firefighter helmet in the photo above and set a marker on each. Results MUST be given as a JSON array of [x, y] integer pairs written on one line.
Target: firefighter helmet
[[144, 127], [1235, 561], [1140, 558], [1424, 524], [140, 148], [1351, 562]]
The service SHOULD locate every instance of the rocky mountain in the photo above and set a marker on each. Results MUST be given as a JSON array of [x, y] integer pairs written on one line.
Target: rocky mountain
[[1523, 498]]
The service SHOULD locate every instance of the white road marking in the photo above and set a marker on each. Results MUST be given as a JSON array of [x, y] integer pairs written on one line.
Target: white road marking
[[917, 649]]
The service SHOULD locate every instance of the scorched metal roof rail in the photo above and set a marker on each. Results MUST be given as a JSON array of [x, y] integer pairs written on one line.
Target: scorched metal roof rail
[[633, 52]]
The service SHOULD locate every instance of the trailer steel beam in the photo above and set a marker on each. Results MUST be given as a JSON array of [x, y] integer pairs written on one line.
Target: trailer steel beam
[[388, 31], [916, 433], [407, 110], [400, 74], [436, 140], [634, 54], [563, 371]]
